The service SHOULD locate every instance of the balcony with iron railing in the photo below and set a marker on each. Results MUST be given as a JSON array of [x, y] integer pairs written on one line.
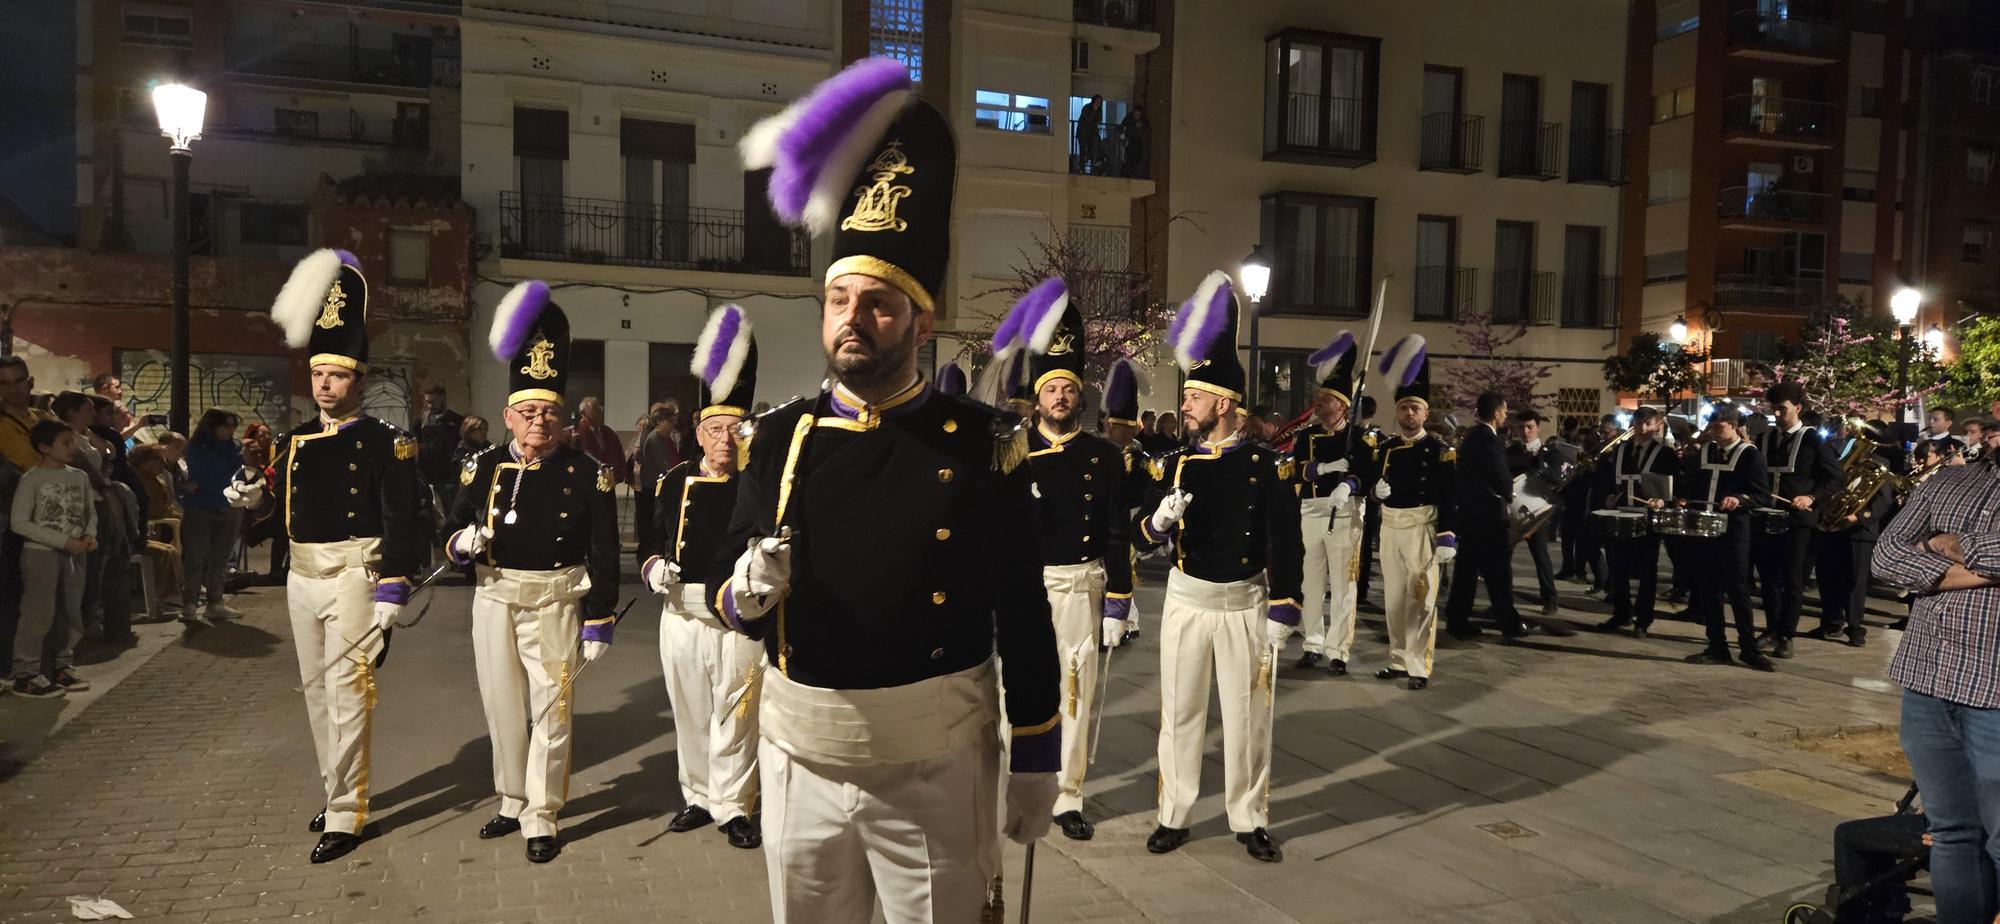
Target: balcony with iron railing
[[1743, 206], [1770, 120], [1108, 150], [1309, 127], [579, 230], [1589, 300], [1531, 150], [1524, 297], [1451, 142], [1442, 290], [349, 63], [1768, 290], [1310, 283], [1118, 14], [1597, 157], [1783, 37]]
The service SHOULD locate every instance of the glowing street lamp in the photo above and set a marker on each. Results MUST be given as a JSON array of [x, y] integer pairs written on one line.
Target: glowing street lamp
[[1678, 331], [1256, 278], [180, 109], [1904, 305]]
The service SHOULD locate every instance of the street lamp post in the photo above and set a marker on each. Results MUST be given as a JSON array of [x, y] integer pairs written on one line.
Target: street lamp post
[[180, 109], [1256, 276], [1903, 305]]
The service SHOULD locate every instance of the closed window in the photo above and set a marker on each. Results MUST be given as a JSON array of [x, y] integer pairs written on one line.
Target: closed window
[[1867, 102], [1320, 96], [1978, 242], [1666, 267], [1673, 104], [273, 223], [159, 24], [1858, 185], [1669, 185], [1978, 166], [1011, 112], [1324, 251], [1857, 268], [409, 257]]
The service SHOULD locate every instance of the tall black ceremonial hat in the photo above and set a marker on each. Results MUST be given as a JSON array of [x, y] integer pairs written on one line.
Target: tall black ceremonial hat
[[1334, 364], [323, 309], [725, 360], [1203, 335], [531, 335]]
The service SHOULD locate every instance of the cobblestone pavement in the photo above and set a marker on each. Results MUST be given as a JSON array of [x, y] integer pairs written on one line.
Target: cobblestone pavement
[[1590, 778]]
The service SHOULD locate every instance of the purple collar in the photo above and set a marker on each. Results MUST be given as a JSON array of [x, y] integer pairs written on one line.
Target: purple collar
[[850, 406]]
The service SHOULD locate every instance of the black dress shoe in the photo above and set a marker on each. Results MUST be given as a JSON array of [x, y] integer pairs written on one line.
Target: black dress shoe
[[1336, 668], [1782, 649], [1857, 639], [318, 823], [1391, 673], [333, 845], [1309, 659], [743, 833], [1166, 840], [1756, 661], [1614, 624], [1711, 656], [498, 826], [1420, 683], [689, 818], [1824, 633], [1261, 847], [1638, 631], [1517, 630], [542, 849], [1074, 826]]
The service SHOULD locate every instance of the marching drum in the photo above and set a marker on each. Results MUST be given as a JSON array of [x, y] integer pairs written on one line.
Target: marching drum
[[1689, 523], [1620, 524], [1773, 521]]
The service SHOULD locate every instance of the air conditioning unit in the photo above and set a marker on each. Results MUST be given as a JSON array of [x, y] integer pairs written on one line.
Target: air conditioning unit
[[1803, 163]]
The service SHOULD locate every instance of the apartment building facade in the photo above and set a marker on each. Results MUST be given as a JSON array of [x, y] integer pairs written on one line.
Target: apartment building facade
[[1952, 254]]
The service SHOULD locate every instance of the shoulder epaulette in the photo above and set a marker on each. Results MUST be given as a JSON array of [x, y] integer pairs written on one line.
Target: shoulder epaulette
[[1010, 449]]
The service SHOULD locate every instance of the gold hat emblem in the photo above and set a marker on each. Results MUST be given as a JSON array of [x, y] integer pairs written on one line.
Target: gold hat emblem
[[538, 367], [875, 207], [329, 316], [1201, 365], [1063, 343]]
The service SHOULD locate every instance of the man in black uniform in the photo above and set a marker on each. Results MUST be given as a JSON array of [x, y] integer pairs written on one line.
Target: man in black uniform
[[712, 673], [1804, 470], [1532, 456], [1411, 475], [1637, 477], [349, 491], [1232, 599], [884, 548], [537, 518], [1330, 457], [1086, 550], [1725, 474], [1124, 382], [1485, 495], [1847, 548]]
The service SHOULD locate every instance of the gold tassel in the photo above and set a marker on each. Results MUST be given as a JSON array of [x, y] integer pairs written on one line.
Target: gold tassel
[[1072, 686], [751, 682], [1010, 450]]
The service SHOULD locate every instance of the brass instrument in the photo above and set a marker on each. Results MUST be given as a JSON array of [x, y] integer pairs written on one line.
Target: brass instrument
[[1590, 462], [1862, 477]]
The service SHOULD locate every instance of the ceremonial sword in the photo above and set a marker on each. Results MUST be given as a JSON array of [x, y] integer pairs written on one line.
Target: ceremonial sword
[[1028, 882], [376, 630], [570, 681], [1103, 685]]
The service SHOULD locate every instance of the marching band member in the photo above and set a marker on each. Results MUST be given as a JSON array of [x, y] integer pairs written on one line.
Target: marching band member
[[712, 673], [1227, 505], [537, 520], [1848, 547], [1481, 514], [890, 550], [1725, 474], [1124, 382], [348, 488], [1330, 456], [1638, 477], [1527, 454], [1411, 475], [1802, 468]]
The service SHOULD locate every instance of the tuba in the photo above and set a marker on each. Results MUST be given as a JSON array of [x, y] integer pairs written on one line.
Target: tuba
[[1862, 477]]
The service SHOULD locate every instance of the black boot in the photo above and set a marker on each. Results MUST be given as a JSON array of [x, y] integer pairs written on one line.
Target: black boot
[[1166, 840], [1261, 847], [1074, 826], [333, 845]]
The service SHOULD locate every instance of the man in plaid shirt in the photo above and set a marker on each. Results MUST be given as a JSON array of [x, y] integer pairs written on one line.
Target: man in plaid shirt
[[1945, 547]]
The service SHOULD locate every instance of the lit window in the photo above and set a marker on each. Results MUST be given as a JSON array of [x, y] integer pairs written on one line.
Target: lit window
[[896, 30], [1010, 112]]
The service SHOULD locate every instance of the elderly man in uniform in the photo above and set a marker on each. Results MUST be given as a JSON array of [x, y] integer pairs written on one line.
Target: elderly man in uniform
[[348, 489], [537, 519], [1412, 477], [712, 673], [1228, 507], [1330, 456], [884, 549]]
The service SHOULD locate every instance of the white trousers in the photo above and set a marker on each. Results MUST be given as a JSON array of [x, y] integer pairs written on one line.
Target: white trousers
[[330, 595], [1409, 586], [1333, 544], [1076, 603], [1208, 627], [525, 626], [918, 837], [712, 675]]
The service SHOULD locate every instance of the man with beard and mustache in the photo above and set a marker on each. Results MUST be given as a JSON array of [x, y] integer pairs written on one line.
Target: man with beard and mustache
[[884, 549], [1412, 475], [1228, 507], [1330, 455], [1086, 555]]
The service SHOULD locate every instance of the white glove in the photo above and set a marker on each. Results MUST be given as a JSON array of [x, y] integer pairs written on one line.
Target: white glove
[[1327, 468], [468, 543], [1113, 633], [1171, 509], [1277, 633], [1341, 492], [1446, 553], [244, 494], [1031, 806], [763, 574], [594, 650], [386, 615], [1382, 489], [383, 618], [661, 574]]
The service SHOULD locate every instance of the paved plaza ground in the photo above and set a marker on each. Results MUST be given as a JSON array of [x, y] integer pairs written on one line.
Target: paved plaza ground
[[1592, 778]]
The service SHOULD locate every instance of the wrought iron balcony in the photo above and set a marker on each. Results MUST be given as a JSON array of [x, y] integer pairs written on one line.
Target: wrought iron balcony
[[1589, 300], [1531, 150], [1790, 206], [1795, 122], [1764, 289], [1597, 157], [1757, 33], [1524, 297], [1108, 150], [1442, 289], [350, 63], [577, 230], [1451, 142]]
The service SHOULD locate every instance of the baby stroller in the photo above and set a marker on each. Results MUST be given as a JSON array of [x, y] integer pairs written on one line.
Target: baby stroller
[[1875, 858]]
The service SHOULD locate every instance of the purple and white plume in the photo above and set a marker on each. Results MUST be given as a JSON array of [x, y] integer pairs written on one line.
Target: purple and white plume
[[1041, 312], [1007, 335], [303, 296], [721, 349], [1327, 357], [514, 318], [1403, 360], [817, 144], [1202, 318]]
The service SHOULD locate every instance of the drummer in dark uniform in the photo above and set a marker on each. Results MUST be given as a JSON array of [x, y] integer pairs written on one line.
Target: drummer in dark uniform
[[1803, 470], [536, 519], [349, 492], [1636, 479], [1725, 474]]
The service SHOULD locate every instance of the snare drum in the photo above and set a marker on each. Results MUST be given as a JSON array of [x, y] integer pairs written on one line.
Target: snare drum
[[1669, 521], [1620, 524], [1773, 521], [1706, 524]]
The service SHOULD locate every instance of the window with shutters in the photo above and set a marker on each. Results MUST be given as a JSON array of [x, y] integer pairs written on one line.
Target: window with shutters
[[658, 162], [541, 152]]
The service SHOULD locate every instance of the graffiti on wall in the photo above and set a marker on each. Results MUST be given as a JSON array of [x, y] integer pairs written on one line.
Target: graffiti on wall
[[254, 387]]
